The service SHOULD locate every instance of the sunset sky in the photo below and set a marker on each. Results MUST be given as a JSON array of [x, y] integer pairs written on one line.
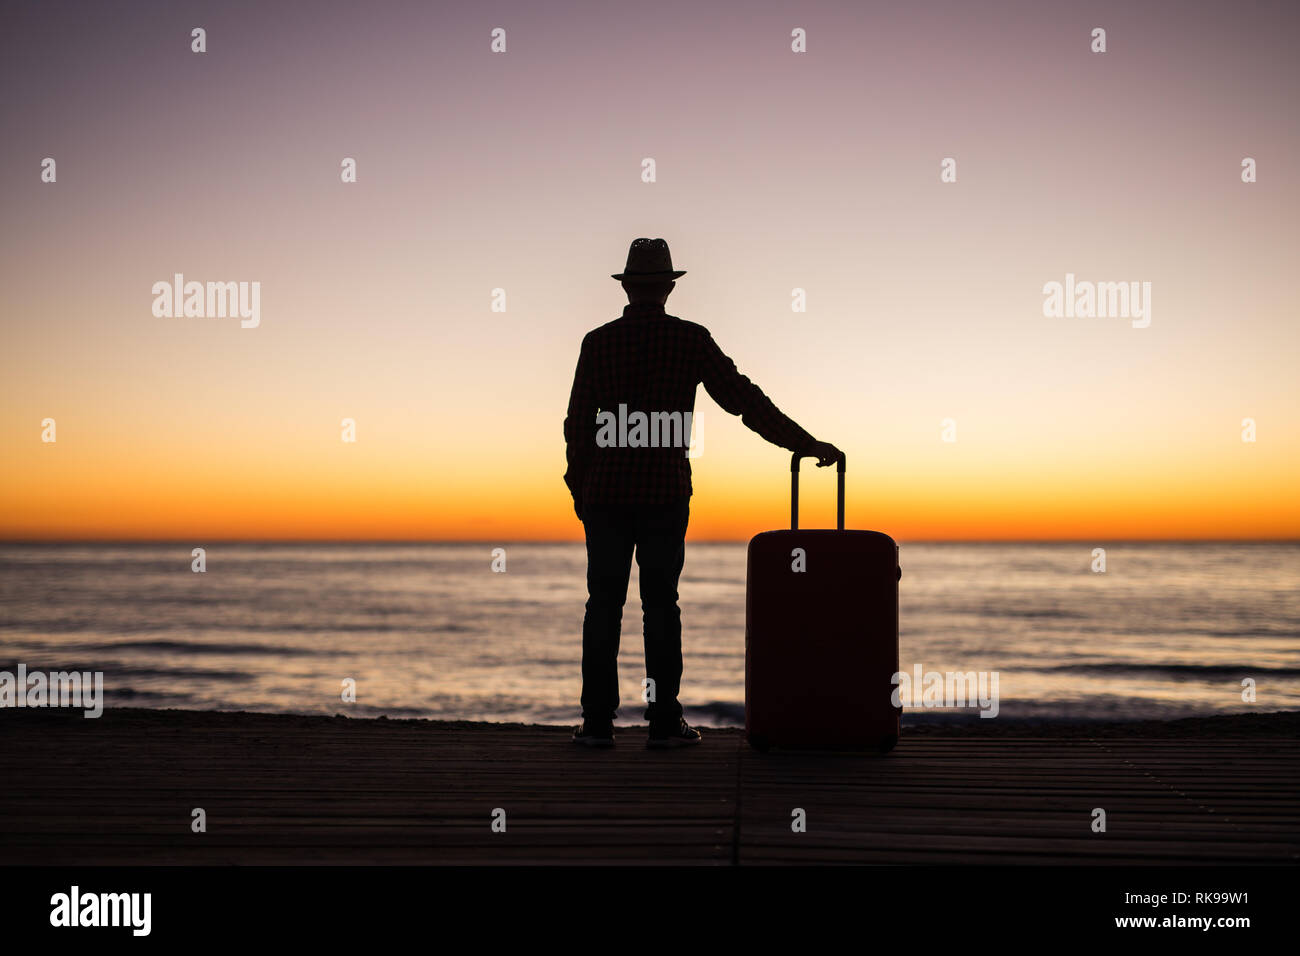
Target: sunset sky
[[522, 171]]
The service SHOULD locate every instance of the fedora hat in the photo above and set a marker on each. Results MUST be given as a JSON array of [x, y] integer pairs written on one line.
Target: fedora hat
[[648, 260]]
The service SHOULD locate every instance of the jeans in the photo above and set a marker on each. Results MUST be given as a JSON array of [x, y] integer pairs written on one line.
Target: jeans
[[657, 533]]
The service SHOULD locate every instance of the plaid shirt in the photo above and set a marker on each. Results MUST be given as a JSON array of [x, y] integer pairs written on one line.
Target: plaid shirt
[[651, 362]]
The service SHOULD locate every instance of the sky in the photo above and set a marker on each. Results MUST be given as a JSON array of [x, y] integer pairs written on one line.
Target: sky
[[522, 171]]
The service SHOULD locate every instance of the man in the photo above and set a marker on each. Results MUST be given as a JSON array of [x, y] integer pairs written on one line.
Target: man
[[627, 432]]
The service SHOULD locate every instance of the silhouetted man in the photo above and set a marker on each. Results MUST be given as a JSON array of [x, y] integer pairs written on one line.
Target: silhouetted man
[[627, 434]]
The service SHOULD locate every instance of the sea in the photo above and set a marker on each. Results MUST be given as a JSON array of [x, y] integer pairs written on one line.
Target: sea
[[1167, 630]]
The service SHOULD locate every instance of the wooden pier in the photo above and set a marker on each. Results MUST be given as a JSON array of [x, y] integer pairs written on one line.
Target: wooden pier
[[121, 790]]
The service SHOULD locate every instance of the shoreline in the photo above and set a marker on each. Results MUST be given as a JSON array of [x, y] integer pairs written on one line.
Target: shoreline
[[1251, 724]]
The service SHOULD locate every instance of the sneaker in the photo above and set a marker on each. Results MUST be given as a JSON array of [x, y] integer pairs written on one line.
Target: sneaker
[[683, 736], [594, 736]]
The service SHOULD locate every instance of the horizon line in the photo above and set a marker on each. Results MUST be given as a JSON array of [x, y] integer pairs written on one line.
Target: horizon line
[[501, 541]]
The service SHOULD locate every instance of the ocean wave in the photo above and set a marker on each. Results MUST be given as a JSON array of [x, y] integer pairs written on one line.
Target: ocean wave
[[323, 627], [180, 647], [114, 670], [1171, 670]]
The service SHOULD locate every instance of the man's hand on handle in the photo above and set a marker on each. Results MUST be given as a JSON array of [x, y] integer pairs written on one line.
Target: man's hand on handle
[[825, 453]]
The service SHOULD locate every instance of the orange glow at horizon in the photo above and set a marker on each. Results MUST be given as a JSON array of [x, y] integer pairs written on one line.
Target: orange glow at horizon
[[334, 498]]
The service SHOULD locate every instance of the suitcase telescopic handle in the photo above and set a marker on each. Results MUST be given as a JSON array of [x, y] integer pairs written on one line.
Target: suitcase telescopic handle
[[794, 491]]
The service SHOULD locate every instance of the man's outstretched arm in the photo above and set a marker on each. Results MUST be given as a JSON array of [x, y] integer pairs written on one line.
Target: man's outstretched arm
[[580, 428], [736, 394]]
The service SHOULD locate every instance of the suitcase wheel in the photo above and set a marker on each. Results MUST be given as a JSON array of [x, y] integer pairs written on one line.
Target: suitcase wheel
[[888, 743], [760, 743]]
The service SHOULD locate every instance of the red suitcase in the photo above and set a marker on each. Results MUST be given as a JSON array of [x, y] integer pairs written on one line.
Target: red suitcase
[[821, 644]]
